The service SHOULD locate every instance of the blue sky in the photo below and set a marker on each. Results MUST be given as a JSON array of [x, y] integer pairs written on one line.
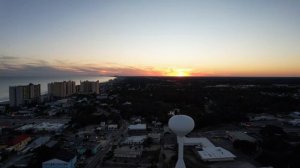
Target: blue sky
[[157, 37]]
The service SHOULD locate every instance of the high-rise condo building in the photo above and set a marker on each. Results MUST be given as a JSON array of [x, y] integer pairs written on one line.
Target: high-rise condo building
[[61, 89], [88, 87], [26, 94]]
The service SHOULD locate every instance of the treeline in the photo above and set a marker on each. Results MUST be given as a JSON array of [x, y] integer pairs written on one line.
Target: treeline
[[208, 100]]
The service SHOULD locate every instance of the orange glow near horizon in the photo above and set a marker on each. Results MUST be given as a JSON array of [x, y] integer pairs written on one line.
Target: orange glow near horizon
[[178, 72]]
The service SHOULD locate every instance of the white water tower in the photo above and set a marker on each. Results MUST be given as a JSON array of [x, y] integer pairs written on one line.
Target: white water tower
[[181, 125]]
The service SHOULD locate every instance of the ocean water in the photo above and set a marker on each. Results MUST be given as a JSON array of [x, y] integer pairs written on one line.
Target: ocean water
[[5, 82]]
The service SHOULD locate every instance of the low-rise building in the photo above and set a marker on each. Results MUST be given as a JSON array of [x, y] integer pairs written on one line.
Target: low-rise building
[[208, 151], [262, 117], [44, 126], [213, 154], [128, 152], [112, 127], [238, 135], [135, 140], [201, 141], [137, 129], [61, 159]]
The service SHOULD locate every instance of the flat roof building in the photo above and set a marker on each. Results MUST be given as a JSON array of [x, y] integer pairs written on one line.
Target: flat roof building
[[128, 152], [44, 126], [238, 135], [61, 159], [135, 139], [203, 142], [135, 127], [213, 154], [112, 127], [208, 151]]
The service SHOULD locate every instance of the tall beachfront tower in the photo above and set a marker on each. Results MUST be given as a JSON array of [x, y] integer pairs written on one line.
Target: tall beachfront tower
[[26, 94]]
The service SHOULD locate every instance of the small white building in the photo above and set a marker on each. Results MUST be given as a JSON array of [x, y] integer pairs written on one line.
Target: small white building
[[112, 127], [135, 140], [208, 151], [57, 163], [213, 154], [137, 127], [62, 159]]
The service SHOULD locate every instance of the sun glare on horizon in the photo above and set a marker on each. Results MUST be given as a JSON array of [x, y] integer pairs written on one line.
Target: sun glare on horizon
[[178, 72]]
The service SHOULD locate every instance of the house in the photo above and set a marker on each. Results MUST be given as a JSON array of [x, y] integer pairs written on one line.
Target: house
[[18, 143], [61, 159], [238, 135]]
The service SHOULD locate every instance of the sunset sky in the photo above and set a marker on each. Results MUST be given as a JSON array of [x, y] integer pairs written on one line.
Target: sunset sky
[[150, 37]]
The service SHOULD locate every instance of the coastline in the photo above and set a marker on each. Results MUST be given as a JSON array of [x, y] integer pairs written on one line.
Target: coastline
[[14, 81]]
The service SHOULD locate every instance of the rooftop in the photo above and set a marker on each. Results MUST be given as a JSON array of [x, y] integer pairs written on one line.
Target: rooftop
[[137, 127], [135, 139], [204, 142], [238, 135], [215, 154]]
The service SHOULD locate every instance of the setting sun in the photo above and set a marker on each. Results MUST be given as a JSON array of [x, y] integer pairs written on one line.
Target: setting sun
[[178, 72]]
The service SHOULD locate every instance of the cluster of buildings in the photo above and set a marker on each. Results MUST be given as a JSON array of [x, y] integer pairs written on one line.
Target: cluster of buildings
[[27, 94], [137, 145]]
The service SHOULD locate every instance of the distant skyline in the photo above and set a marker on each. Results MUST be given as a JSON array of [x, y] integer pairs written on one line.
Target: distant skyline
[[150, 37]]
